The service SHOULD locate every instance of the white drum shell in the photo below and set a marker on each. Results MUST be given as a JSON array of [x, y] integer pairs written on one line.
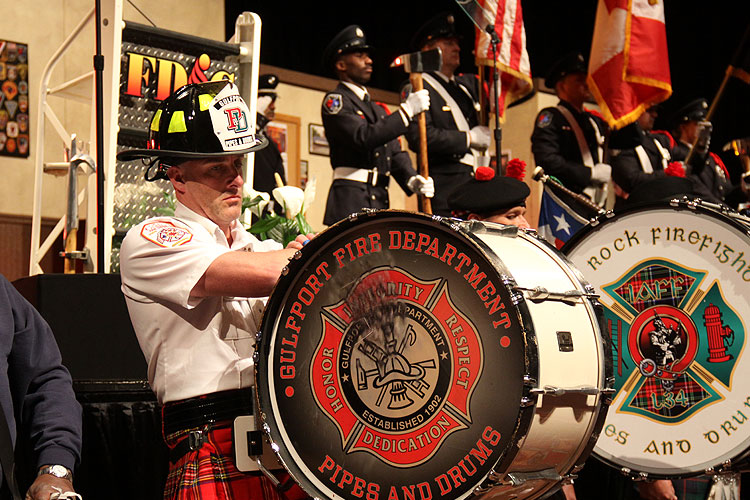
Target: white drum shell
[[562, 425]]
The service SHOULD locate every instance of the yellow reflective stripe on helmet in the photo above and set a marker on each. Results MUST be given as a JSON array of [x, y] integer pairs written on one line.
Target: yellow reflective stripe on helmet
[[155, 121], [204, 101], [177, 122]]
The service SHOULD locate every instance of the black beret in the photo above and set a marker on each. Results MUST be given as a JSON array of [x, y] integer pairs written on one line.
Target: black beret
[[660, 189], [571, 63], [350, 39], [267, 83], [695, 110], [442, 25], [488, 196]]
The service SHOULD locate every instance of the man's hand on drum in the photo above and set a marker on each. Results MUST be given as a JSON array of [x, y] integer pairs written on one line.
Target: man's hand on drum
[[300, 241], [661, 489]]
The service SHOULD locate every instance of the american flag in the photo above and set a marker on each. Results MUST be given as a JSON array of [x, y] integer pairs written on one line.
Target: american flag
[[512, 59], [629, 64]]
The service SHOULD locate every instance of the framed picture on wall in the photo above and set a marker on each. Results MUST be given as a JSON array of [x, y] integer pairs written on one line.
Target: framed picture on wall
[[317, 140], [14, 99], [303, 172], [285, 131]]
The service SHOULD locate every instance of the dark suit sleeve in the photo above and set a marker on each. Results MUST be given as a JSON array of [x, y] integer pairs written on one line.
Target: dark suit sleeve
[[346, 127], [547, 146], [401, 168], [41, 387]]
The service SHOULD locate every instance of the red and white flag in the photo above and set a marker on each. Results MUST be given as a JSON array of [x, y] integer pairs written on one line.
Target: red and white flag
[[512, 58], [629, 64]]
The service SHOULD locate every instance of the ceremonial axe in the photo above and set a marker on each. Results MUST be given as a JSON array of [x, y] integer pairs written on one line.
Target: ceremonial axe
[[415, 64]]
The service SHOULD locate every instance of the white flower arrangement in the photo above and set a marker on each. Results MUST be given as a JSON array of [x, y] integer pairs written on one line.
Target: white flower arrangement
[[270, 225]]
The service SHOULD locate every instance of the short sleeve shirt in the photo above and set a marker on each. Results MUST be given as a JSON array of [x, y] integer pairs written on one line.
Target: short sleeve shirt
[[193, 345]]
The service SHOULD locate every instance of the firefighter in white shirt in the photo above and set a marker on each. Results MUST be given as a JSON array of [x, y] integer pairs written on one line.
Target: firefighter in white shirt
[[195, 285]]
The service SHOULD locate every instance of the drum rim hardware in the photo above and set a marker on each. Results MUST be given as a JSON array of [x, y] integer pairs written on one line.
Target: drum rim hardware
[[539, 293]]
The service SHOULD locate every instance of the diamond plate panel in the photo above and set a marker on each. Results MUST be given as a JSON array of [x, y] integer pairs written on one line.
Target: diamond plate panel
[[136, 199]]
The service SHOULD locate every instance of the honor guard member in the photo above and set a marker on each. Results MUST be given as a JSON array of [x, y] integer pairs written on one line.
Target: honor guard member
[[639, 154], [568, 141], [455, 139], [363, 136], [705, 170], [268, 160], [194, 285], [492, 198]]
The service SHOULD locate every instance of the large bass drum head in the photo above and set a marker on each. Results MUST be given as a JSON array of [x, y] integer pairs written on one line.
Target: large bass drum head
[[674, 284], [391, 362]]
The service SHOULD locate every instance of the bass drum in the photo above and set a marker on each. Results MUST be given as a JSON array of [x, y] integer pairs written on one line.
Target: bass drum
[[398, 358], [673, 279]]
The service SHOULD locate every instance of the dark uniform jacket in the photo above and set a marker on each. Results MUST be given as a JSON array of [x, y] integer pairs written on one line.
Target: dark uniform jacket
[[362, 135], [556, 149], [268, 162], [627, 170], [707, 173], [446, 144], [36, 390]]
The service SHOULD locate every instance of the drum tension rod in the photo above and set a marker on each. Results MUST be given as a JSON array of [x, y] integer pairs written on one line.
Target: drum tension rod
[[519, 478], [539, 293], [550, 390]]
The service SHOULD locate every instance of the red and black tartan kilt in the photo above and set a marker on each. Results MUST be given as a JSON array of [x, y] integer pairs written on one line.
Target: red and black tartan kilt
[[209, 473]]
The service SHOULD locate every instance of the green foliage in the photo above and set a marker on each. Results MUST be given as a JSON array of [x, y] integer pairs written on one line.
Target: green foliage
[[275, 227]]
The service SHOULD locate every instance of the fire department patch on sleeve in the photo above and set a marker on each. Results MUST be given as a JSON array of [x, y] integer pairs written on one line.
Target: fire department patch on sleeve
[[332, 103], [544, 119], [165, 234]]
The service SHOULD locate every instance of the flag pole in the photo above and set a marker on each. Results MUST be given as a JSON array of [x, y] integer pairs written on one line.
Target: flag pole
[[495, 40], [727, 75]]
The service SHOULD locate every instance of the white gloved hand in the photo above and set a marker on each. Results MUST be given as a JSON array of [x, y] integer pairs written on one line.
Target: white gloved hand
[[263, 102], [704, 137], [601, 173], [416, 102], [420, 185], [479, 137]]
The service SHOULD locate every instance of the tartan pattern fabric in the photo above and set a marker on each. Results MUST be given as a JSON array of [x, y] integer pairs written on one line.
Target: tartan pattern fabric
[[692, 488], [209, 473], [651, 396], [648, 276]]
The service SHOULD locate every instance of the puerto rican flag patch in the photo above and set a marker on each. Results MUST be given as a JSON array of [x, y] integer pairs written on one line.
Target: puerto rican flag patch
[[165, 234], [333, 103]]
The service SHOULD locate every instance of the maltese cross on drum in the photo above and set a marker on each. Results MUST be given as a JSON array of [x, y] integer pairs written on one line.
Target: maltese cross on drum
[[677, 337], [406, 382]]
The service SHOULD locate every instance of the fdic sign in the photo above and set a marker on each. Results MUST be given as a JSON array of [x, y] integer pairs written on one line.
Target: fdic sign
[[157, 62]]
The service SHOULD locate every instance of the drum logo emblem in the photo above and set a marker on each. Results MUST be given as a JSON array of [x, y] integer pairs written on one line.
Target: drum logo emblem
[[673, 334], [402, 362]]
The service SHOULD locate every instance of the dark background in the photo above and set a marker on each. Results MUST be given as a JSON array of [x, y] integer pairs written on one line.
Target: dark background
[[701, 36]]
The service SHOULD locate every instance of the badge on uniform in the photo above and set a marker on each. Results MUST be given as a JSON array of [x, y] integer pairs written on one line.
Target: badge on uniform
[[165, 234], [545, 118], [333, 103]]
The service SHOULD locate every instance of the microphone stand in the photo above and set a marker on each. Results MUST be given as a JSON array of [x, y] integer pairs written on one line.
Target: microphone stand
[[498, 134], [99, 85]]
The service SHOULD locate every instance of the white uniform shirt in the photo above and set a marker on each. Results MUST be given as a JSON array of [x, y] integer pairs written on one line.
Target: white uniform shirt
[[193, 346]]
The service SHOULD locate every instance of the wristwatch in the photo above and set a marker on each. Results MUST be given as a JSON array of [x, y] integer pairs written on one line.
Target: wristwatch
[[58, 471]]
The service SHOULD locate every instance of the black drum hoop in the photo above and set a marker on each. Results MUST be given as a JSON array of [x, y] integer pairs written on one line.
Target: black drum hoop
[[279, 297]]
